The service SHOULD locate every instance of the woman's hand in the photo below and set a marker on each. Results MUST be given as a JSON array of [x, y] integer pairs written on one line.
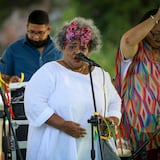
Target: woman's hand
[[6, 78], [73, 129], [69, 127], [10, 79], [113, 120], [14, 79]]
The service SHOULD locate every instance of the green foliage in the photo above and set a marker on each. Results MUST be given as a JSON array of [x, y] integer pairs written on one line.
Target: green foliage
[[3, 12], [113, 18], [106, 57], [6, 7]]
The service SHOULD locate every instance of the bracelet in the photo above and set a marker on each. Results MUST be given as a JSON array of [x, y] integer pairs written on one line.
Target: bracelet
[[156, 22]]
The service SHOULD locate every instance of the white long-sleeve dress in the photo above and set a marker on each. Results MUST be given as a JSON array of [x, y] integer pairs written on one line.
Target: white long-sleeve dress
[[56, 89]]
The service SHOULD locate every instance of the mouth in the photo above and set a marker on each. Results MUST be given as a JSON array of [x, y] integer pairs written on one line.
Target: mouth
[[157, 41], [75, 58]]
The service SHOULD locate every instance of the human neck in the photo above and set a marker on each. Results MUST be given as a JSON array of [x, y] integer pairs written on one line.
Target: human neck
[[82, 69], [40, 49]]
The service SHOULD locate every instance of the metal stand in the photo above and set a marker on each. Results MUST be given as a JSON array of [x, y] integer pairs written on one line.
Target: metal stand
[[21, 129], [142, 148], [94, 120], [5, 139], [5, 147]]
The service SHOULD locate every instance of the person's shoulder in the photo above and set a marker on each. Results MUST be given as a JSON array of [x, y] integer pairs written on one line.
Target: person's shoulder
[[16, 42], [49, 67], [104, 74], [50, 64], [51, 41]]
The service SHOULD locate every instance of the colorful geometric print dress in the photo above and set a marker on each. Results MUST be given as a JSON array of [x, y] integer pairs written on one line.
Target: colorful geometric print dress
[[140, 93]]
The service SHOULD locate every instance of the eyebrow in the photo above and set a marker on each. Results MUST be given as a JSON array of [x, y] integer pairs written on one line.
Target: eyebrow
[[155, 32], [74, 43]]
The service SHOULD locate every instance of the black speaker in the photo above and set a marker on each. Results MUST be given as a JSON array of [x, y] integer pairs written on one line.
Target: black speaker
[[20, 128]]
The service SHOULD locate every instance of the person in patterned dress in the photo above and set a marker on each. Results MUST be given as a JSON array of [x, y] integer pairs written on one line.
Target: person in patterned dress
[[137, 81]]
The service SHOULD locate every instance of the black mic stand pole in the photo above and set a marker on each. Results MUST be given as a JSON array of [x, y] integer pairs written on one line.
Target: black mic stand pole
[[139, 150], [94, 120], [6, 114]]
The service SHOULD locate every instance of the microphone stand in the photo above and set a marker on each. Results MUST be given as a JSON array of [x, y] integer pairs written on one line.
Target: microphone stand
[[7, 115], [141, 149], [94, 120]]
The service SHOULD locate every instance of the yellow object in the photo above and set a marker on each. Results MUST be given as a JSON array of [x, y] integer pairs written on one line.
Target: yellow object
[[22, 77], [6, 84], [2, 81], [108, 128]]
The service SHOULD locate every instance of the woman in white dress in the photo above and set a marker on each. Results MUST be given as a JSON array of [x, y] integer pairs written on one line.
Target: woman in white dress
[[58, 98]]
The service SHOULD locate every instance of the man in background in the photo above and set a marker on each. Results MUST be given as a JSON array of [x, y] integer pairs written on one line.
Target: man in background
[[29, 53]]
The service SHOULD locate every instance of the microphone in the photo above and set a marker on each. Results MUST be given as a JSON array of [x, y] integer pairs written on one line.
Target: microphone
[[82, 57]]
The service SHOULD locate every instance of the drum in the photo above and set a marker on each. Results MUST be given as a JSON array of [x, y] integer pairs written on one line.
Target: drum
[[17, 100]]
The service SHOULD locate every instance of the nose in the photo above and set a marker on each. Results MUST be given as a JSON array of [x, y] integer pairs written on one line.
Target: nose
[[35, 37], [77, 49]]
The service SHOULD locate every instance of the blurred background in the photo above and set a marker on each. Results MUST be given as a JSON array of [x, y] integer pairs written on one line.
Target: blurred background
[[113, 18]]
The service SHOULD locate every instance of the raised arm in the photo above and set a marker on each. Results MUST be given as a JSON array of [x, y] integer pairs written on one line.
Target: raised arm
[[130, 40]]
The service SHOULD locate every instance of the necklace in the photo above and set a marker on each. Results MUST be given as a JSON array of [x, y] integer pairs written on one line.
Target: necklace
[[83, 69]]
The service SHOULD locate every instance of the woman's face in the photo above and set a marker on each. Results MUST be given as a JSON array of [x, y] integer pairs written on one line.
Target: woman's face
[[71, 50], [154, 36]]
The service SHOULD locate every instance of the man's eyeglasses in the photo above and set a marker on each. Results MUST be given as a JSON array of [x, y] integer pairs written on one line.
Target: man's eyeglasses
[[155, 35], [39, 33]]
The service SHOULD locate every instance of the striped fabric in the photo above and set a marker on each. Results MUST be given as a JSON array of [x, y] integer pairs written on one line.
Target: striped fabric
[[140, 93]]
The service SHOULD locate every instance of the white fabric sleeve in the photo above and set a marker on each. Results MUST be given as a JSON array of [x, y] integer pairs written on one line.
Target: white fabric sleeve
[[114, 100], [36, 96], [125, 65]]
